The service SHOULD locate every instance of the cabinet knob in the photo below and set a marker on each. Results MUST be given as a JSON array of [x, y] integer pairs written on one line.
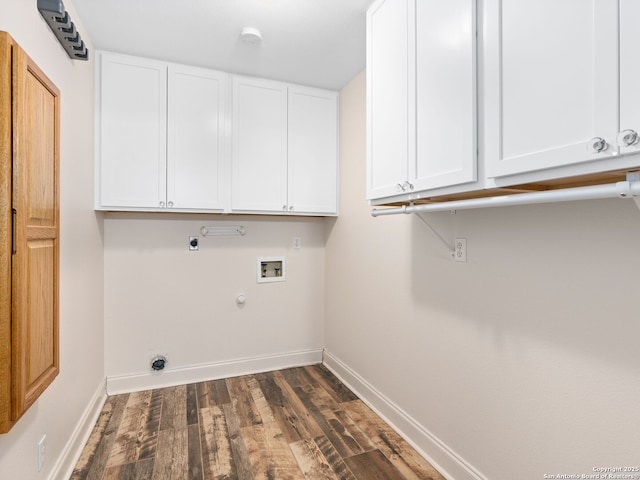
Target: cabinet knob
[[407, 186], [399, 187], [598, 144], [626, 138], [162, 204], [284, 208], [290, 208], [170, 204]]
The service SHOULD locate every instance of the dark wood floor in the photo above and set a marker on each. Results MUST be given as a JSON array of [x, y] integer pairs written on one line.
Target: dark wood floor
[[299, 423]]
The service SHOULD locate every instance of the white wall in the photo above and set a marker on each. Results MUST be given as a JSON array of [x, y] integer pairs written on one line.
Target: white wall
[[162, 298], [60, 410], [523, 361]]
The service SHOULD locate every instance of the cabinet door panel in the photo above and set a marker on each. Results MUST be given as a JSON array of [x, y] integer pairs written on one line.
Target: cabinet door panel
[[389, 56], [552, 82], [132, 132], [629, 70], [445, 94], [259, 171], [196, 134], [35, 262], [312, 152]]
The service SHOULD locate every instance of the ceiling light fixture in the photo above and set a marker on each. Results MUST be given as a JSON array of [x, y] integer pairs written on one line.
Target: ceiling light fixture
[[251, 36]]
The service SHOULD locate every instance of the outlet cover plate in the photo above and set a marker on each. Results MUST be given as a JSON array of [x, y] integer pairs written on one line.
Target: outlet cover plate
[[461, 250]]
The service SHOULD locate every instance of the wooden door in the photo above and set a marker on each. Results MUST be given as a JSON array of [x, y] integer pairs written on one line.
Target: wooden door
[[551, 83], [390, 96], [312, 150], [197, 167], [259, 166], [35, 236]]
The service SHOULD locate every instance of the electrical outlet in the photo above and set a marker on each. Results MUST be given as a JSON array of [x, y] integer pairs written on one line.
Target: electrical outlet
[[461, 250], [42, 452], [296, 243]]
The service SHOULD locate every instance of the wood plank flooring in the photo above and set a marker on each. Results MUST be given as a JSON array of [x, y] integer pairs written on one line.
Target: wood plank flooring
[[298, 423]]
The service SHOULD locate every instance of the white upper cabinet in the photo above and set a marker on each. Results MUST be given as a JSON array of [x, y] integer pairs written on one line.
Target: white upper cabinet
[[259, 172], [196, 168], [629, 76], [131, 139], [389, 97], [312, 151], [446, 94], [161, 136], [174, 137], [551, 93], [285, 148], [421, 96]]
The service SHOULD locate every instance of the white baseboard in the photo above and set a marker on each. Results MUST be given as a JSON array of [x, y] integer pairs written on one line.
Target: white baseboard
[[198, 373], [443, 458], [72, 450]]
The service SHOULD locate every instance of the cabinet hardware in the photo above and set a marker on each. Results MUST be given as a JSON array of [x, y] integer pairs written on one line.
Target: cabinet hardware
[[598, 145], [626, 138]]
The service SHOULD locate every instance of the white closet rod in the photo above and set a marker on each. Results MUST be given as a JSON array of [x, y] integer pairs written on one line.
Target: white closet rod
[[627, 189]]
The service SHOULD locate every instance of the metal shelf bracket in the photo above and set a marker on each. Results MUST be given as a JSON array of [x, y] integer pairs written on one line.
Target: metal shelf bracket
[[450, 247]]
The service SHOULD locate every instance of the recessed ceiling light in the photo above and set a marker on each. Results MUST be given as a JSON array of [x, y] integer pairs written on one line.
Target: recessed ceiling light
[[251, 36]]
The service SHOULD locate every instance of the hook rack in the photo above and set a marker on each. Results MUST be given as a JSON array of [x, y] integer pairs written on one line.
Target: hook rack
[[64, 29]]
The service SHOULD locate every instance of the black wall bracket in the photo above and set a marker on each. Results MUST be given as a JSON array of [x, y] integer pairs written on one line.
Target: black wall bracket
[[60, 23]]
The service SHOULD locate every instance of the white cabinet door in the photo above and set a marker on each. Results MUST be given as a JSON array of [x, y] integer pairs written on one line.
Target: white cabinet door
[[131, 131], [312, 150], [629, 75], [390, 96], [421, 96], [551, 83], [259, 160], [446, 152], [197, 172]]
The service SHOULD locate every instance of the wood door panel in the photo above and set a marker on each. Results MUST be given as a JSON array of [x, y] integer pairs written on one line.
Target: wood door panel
[[41, 292], [40, 151]]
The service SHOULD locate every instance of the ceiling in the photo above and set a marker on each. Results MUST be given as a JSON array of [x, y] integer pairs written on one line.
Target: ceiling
[[312, 42]]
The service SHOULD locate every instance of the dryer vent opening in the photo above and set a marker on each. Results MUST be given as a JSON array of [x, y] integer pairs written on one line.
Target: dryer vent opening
[[158, 363]]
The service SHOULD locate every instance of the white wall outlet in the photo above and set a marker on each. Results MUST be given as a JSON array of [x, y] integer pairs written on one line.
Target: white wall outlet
[[42, 452], [296, 243], [461, 250]]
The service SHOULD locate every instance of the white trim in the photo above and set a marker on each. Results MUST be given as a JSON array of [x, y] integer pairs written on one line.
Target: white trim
[[78, 439], [443, 458], [199, 373]]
